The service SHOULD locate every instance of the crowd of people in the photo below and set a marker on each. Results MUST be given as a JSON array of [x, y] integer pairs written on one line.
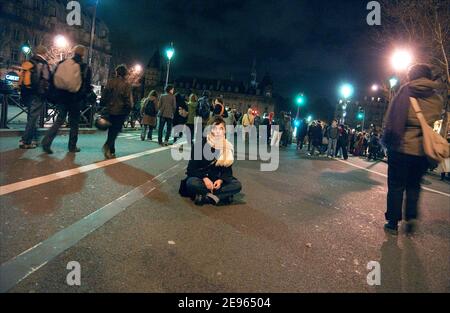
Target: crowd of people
[[211, 181]]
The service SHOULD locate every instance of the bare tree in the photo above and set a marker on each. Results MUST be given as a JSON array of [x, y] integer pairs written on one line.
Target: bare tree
[[422, 24]]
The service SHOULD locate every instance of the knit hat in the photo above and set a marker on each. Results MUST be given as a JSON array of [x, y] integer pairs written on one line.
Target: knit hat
[[79, 50]]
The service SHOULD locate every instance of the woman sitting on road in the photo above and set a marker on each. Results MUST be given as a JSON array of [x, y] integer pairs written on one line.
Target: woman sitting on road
[[210, 180]]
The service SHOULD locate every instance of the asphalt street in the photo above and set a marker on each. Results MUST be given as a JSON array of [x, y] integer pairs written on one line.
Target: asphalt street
[[311, 226]]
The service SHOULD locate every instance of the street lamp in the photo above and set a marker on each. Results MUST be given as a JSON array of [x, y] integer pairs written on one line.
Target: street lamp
[[61, 43], [401, 60], [393, 81], [346, 92], [91, 44], [375, 87], [26, 49], [309, 119], [138, 68], [301, 101], [169, 53]]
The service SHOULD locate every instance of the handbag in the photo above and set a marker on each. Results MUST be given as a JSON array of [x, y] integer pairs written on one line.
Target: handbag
[[435, 146], [102, 123]]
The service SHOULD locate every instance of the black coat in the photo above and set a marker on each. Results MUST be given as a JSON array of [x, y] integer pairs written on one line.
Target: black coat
[[177, 118], [206, 168]]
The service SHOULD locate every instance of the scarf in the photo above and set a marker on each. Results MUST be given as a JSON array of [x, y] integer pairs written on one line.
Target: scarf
[[226, 157], [397, 114]]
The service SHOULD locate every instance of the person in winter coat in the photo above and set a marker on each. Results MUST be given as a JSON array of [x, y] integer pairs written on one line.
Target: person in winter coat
[[180, 116], [167, 107], [317, 137], [210, 180], [332, 134], [302, 130], [407, 162], [33, 96], [342, 142], [118, 100], [192, 112], [149, 111]]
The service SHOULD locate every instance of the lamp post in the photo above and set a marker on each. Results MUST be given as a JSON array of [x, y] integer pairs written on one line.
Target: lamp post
[[346, 92], [61, 43], [300, 100], [169, 53], [91, 44]]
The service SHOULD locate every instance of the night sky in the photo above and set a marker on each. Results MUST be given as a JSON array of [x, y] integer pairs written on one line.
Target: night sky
[[306, 46]]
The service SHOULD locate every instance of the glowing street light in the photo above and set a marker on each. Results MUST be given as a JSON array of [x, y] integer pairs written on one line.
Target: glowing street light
[[301, 101], [61, 42], [347, 91], [393, 82], [309, 119], [401, 60], [138, 68], [375, 87], [169, 53]]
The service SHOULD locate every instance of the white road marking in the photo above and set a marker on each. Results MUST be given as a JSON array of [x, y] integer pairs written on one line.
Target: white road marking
[[28, 262], [384, 175], [7, 189]]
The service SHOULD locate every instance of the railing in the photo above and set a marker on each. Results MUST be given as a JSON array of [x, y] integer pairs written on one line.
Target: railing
[[49, 111]]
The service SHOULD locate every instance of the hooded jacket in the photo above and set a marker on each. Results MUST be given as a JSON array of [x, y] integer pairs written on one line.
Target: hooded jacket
[[432, 106]]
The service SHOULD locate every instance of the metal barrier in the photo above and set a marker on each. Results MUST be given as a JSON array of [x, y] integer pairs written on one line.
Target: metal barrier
[[49, 111]]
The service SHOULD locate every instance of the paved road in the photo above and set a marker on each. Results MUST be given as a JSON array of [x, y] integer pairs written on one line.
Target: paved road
[[311, 226]]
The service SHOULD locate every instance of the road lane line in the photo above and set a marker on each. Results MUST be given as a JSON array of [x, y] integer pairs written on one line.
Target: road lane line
[[28, 262], [384, 175], [7, 189]]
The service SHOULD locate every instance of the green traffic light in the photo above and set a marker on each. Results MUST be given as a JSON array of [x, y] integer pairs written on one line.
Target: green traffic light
[[301, 100]]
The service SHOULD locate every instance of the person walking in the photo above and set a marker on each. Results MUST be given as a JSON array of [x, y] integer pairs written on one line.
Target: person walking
[[332, 134], [316, 138], [70, 99], [247, 123], [180, 116], [167, 107], [34, 86], [149, 111], [403, 137], [342, 142], [192, 113], [118, 100], [302, 131]]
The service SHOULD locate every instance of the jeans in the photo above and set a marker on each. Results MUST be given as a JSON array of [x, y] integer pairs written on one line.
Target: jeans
[[332, 143], [162, 123], [114, 130], [196, 186], [71, 107], [144, 132], [35, 103], [405, 173], [300, 142]]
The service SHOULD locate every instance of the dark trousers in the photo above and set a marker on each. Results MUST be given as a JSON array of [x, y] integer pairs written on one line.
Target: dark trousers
[[300, 142], [71, 107], [405, 173], [192, 129], [162, 122], [196, 186], [35, 104], [144, 132], [343, 148], [114, 130]]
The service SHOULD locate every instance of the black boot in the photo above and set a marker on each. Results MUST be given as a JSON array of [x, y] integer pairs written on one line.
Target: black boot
[[391, 228]]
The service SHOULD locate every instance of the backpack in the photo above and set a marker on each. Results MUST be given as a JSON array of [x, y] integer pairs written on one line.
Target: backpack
[[28, 69], [149, 109], [32, 77], [203, 108], [67, 76]]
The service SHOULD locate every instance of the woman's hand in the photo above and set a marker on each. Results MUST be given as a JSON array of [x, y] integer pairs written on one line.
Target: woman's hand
[[208, 183], [217, 184]]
